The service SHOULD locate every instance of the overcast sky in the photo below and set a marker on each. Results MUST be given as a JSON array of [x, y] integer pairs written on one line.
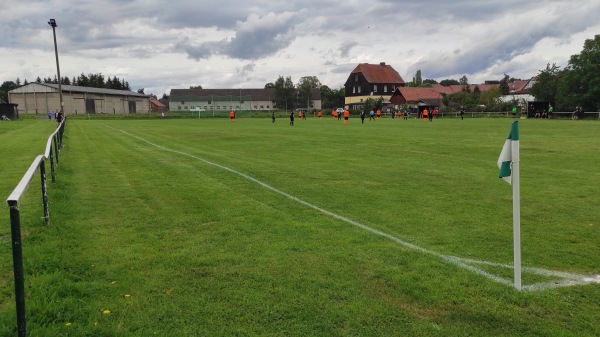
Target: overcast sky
[[164, 45]]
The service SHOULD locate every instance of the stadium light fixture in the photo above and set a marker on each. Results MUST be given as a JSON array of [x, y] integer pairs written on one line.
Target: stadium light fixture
[[52, 24]]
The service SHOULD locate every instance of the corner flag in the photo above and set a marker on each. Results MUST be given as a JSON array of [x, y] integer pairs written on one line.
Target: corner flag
[[508, 163], [507, 156]]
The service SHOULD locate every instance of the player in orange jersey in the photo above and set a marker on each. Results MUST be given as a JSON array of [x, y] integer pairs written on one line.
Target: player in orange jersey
[[346, 115], [231, 116], [319, 114]]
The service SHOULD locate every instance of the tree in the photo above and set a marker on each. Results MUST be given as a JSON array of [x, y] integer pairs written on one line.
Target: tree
[[449, 82], [332, 98], [545, 87], [504, 88], [5, 88], [285, 96], [463, 80], [141, 91], [373, 104], [417, 80], [429, 81], [269, 85], [195, 87], [306, 86], [579, 83], [490, 98]]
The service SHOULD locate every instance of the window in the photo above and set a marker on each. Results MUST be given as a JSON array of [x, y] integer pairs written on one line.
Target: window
[[356, 77], [256, 107], [354, 90], [179, 107], [385, 88], [262, 106], [359, 90], [185, 107], [375, 88]]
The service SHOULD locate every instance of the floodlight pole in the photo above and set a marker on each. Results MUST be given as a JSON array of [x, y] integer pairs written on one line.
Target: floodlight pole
[[52, 24]]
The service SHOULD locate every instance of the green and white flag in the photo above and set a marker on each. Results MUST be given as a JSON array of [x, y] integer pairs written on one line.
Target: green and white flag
[[507, 156]]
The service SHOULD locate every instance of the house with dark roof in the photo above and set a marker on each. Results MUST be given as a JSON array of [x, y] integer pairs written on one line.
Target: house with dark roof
[[233, 99], [371, 81]]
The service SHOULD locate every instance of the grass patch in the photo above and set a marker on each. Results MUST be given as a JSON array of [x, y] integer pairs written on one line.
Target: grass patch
[[203, 251]]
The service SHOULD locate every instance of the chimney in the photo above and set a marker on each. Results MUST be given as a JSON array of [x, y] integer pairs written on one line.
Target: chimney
[[381, 63]]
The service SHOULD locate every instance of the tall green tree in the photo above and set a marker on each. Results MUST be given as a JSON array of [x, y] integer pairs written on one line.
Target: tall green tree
[[5, 88], [579, 83], [545, 87], [504, 88], [463, 80], [306, 85], [332, 98], [285, 93], [417, 80]]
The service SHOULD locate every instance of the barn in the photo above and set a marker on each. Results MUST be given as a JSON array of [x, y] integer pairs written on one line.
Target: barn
[[39, 98]]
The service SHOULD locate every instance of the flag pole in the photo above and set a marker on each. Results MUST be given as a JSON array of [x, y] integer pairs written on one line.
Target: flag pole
[[515, 182]]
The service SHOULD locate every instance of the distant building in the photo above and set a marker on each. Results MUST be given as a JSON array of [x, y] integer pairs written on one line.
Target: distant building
[[39, 98], [9, 111], [371, 81], [233, 99], [157, 106], [414, 95]]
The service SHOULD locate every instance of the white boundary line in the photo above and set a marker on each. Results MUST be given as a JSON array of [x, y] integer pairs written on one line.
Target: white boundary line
[[567, 279]]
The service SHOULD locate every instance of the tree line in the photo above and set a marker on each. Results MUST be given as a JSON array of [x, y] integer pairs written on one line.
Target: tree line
[[83, 80], [291, 96], [577, 85]]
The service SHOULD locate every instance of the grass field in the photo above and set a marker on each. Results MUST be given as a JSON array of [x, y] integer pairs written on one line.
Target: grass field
[[250, 228]]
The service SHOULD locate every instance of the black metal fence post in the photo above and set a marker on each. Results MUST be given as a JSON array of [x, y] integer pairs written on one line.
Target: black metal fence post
[[15, 228], [44, 191], [51, 158], [56, 148]]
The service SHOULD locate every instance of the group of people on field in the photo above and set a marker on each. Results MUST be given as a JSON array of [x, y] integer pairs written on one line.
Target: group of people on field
[[55, 115], [429, 115]]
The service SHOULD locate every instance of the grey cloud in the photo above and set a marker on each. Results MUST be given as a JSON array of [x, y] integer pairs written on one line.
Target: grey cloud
[[346, 47], [504, 43], [255, 38], [245, 70]]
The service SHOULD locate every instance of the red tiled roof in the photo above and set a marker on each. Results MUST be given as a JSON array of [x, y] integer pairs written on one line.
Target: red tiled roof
[[452, 89], [157, 103], [378, 73], [517, 86], [414, 94]]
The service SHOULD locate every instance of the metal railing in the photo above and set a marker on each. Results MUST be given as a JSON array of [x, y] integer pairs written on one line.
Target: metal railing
[[53, 148]]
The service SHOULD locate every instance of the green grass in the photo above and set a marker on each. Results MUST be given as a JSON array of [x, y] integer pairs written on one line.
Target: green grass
[[206, 252]]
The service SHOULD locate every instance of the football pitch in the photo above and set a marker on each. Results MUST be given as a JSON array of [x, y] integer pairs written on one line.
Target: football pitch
[[252, 228]]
